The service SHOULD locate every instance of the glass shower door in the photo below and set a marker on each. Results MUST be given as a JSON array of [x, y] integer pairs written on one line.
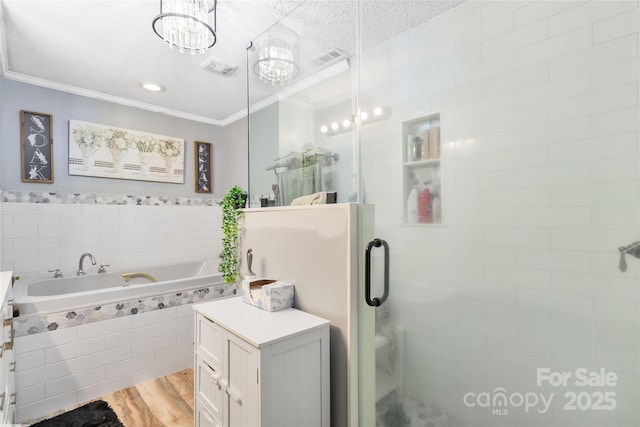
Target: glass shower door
[[503, 169]]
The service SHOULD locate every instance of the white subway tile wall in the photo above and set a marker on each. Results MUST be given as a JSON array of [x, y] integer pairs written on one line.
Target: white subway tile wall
[[62, 368], [37, 237], [540, 118]]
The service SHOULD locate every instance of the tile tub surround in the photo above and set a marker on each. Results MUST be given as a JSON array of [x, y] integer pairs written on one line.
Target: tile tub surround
[[70, 365], [38, 236], [9, 196], [37, 324]]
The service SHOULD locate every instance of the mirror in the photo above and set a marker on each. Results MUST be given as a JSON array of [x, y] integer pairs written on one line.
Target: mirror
[[299, 86]]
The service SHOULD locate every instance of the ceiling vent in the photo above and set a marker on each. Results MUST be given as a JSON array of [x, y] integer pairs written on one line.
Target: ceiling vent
[[329, 56], [219, 66]]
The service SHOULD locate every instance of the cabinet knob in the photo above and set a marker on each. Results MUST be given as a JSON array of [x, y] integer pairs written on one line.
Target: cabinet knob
[[8, 310], [9, 336], [215, 378]]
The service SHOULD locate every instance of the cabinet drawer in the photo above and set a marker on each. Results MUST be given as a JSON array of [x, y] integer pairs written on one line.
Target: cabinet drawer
[[204, 418], [209, 338], [208, 390]]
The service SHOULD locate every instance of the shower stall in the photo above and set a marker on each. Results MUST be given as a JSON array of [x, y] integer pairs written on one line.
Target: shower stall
[[498, 143]]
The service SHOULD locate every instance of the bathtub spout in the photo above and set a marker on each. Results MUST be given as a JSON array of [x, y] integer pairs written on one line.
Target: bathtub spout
[[127, 276], [80, 271]]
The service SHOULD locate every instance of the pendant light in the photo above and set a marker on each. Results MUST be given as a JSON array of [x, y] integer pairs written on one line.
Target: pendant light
[[188, 25]]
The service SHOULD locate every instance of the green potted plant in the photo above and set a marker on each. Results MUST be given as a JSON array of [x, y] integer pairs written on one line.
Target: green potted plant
[[232, 202]]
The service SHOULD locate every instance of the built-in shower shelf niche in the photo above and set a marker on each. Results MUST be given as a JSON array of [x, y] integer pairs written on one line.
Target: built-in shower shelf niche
[[421, 170]]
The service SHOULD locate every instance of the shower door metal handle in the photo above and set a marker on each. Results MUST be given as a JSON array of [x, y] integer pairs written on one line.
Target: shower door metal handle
[[376, 302]]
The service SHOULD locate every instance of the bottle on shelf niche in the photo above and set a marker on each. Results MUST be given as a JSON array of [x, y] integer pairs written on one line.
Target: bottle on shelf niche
[[433, 145], [436, 210], [410, 147], [412, 207], [417, 147], [426, 146], [424, 206]]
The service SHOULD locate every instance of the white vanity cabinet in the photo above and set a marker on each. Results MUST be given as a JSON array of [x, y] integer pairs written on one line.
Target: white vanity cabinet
[[7, 360], [258, 368]]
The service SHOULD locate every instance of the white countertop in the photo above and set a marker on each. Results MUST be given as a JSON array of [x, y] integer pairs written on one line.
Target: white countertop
[[257, 326], [5, 283]]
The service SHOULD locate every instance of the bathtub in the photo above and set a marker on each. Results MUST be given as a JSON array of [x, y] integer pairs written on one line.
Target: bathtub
[[79, 338], [48, 304]]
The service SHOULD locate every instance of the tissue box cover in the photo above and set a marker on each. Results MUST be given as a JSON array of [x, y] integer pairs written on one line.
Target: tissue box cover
[[272, 296]]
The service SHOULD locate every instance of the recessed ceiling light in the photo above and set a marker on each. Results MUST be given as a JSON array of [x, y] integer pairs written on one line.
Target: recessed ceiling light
[[153, 87]]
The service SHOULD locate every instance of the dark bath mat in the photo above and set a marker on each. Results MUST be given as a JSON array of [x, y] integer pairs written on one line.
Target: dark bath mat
[[93, 414]]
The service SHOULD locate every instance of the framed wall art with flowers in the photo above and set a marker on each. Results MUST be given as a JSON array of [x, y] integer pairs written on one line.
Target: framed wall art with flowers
[[203, 156], [111, 152], [36, 147]]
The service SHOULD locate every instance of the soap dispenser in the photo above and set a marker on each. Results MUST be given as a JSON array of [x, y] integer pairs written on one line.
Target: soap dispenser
[[249, 262], [250, 276]]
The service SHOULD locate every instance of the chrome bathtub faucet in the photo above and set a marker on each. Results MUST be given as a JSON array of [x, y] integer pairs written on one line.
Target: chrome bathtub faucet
[[80, 271]]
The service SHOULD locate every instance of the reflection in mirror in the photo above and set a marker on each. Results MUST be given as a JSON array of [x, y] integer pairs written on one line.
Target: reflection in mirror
[[277, 62], [297, 86]]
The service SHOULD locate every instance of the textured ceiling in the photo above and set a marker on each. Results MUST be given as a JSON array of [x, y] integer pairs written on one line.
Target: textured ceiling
[[106, 48]]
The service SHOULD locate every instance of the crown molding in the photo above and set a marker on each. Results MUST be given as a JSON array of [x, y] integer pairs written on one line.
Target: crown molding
[[233, 117], [301, 85], [36, 81]]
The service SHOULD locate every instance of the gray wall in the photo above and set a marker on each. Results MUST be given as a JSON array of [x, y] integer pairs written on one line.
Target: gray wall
[[232, 157], [1, 127], [265, 145], [1, 168], [63, 106]]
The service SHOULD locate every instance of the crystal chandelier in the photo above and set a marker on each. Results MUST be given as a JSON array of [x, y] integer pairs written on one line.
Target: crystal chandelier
[[277, 57], [185, 24]]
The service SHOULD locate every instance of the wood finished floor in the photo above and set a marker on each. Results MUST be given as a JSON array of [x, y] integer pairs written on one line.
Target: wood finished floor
[[162, 402]]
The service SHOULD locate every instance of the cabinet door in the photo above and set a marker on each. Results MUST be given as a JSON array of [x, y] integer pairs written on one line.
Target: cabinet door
[[4, 389], [7, 365], [242, 399], [209, 339], [204, 418], [208, 389], [8, 391]]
